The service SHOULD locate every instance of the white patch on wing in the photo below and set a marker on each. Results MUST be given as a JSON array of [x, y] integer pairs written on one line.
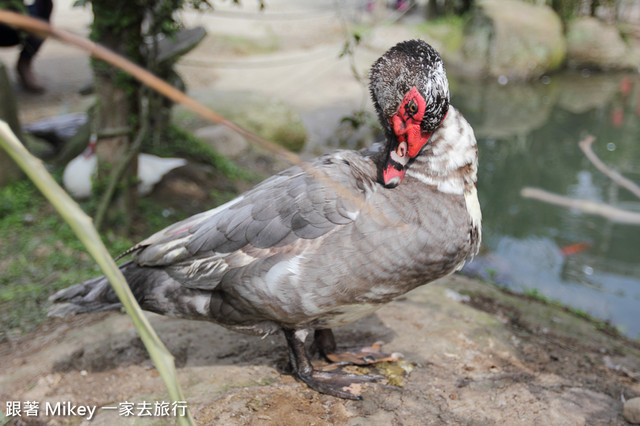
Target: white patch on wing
[[286, 269], [173, 249], [237, 259], [294, 265], [201, 303], [352, 215], [473, 207], [206, 266]]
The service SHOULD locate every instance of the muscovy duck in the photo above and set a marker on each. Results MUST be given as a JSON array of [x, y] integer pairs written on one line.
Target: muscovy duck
[[321, 246], [79, 173]]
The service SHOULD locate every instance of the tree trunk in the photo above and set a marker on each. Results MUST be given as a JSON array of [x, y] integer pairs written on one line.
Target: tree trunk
[[117, 25], [9, 113], [114, 115]]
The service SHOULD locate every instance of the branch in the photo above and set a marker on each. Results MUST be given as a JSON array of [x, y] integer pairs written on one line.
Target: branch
[[87, 234], [585, 146], [43, 29], [121, 167], [586, 206]]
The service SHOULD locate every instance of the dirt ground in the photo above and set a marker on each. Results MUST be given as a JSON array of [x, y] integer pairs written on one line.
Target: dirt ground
[[472, 354]]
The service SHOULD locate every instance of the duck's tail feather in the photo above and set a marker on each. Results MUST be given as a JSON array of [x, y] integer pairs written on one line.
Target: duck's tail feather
[[154, 289], [90, 296]]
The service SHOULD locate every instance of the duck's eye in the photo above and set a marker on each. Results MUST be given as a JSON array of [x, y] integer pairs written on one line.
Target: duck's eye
[[412, 107]]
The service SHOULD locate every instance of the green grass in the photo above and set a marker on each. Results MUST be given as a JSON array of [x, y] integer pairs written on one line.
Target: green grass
[[535, 294], [40, 254]]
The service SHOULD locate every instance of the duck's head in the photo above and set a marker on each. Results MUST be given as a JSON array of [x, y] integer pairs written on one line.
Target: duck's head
[[410, 92]]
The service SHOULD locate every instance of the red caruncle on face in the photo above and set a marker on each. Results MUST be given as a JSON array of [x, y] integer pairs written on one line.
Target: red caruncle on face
[[406, 124]]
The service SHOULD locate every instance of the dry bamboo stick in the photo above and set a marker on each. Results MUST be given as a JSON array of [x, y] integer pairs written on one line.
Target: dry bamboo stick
[[585, 146], [586, 206]]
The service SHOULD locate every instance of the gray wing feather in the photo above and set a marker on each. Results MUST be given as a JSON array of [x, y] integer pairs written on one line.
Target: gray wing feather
[[290, 206], [272, 233]]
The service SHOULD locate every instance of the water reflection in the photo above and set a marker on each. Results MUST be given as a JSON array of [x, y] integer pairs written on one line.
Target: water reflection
[[528, 136]]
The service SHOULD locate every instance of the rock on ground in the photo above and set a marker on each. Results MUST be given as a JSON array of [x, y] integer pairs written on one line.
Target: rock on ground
[[593, 44], [513, 39], [631, 411], [270, 118], [224, 140]]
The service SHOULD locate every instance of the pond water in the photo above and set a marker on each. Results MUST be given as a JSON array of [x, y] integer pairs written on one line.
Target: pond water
[[528, 137]]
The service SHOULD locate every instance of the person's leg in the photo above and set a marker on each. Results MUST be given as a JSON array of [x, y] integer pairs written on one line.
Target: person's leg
[[8, 36], [39, 9]]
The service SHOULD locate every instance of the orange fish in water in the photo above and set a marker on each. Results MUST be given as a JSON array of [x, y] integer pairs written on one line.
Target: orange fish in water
[[574, 248], [617, 117], [625, 86]]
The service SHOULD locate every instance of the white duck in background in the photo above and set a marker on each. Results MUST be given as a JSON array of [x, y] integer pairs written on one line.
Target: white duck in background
[[79, 173]]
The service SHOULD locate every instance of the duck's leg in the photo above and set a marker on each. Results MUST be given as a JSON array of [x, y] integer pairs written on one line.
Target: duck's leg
[[336, 382], [325, 344]]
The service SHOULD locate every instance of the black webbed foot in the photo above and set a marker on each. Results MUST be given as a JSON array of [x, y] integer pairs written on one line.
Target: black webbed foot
[[335, 382], [324, 344]]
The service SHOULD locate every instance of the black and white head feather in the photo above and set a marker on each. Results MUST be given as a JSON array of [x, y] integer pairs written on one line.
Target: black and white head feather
[[408, 64]]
